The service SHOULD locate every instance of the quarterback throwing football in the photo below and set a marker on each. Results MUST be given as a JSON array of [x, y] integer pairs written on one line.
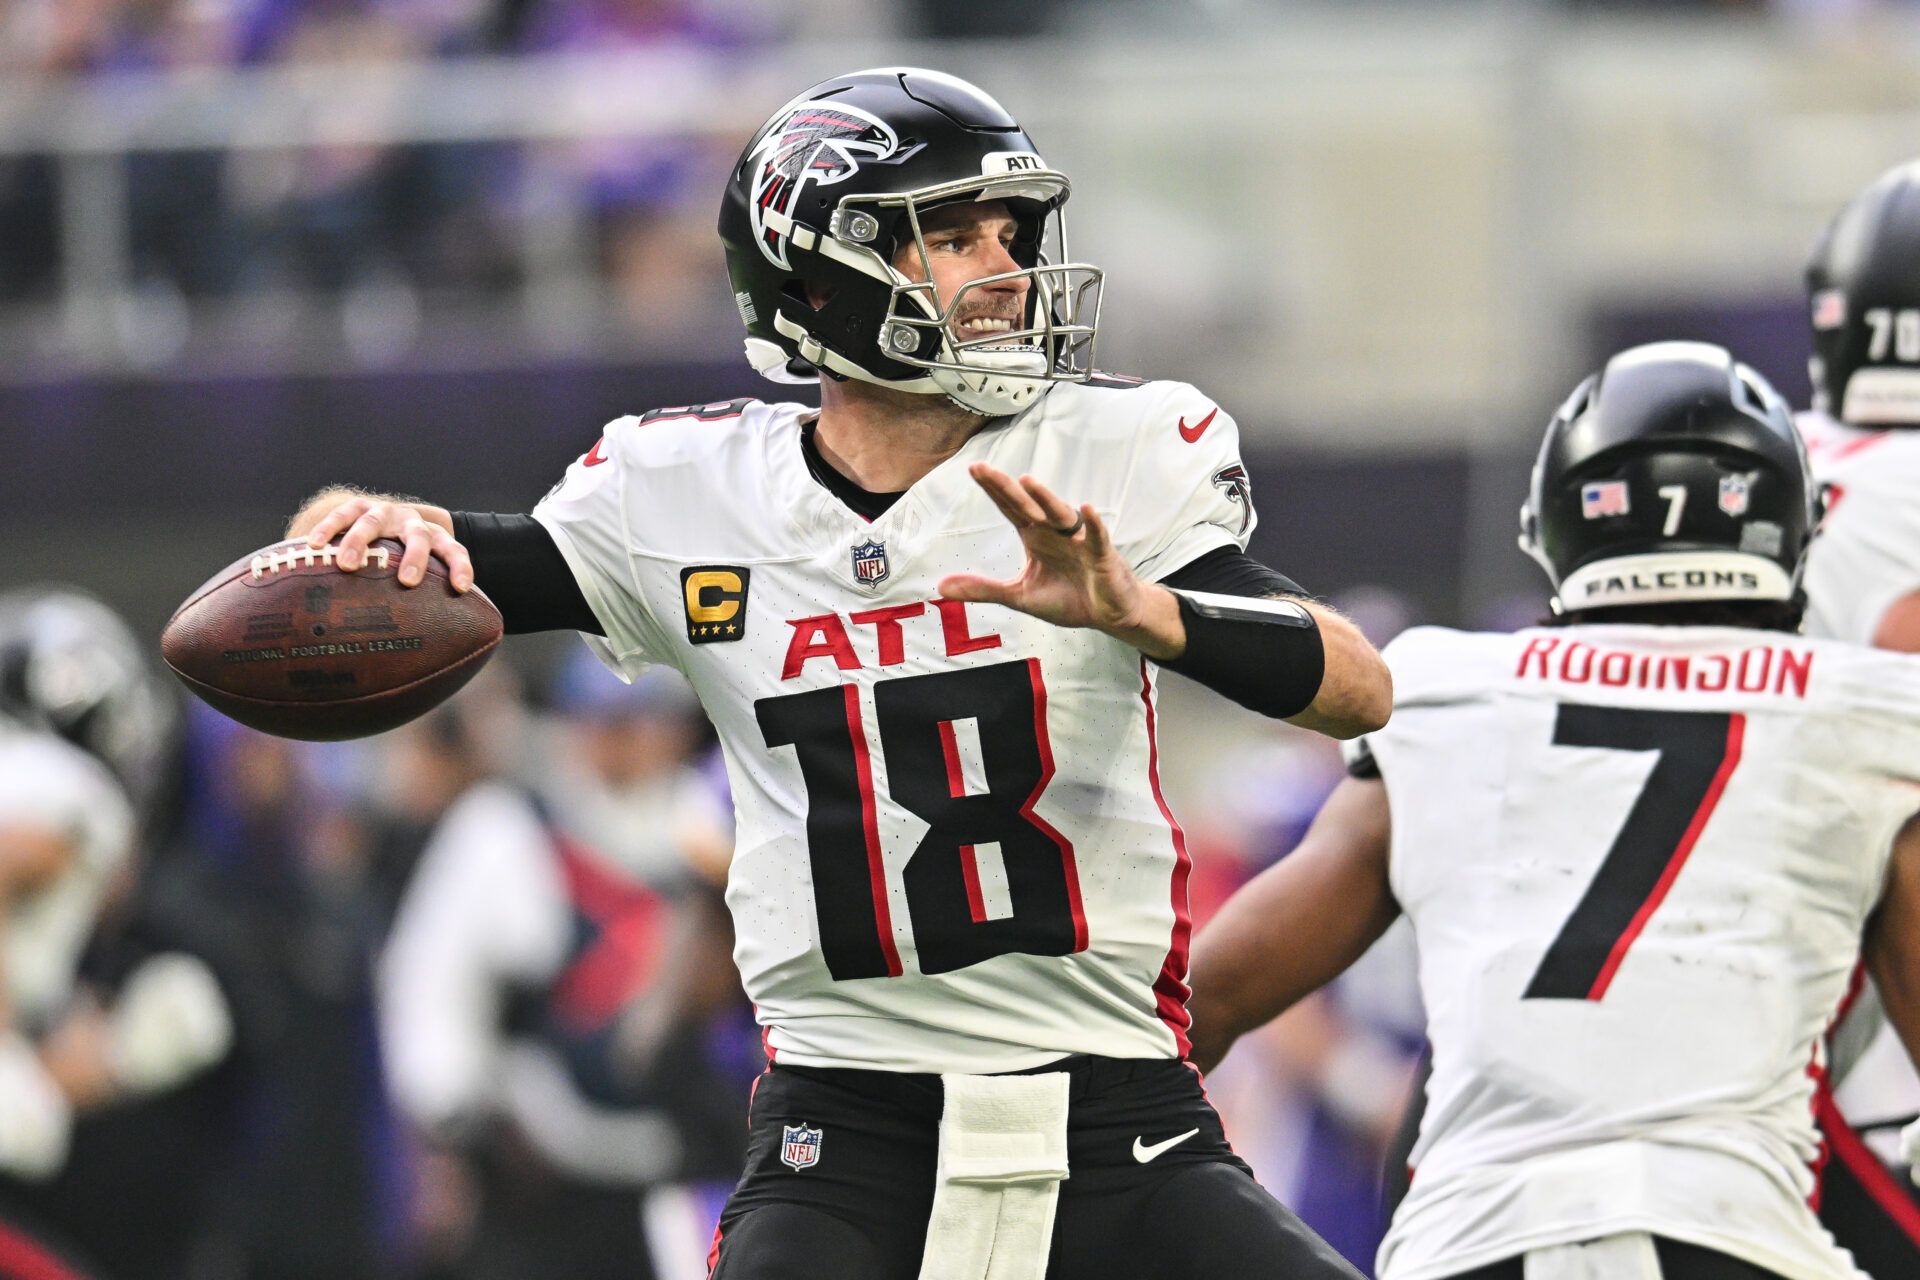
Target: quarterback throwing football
[[928, 620]]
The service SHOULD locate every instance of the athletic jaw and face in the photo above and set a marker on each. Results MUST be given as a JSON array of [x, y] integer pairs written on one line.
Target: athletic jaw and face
[[968, 241]]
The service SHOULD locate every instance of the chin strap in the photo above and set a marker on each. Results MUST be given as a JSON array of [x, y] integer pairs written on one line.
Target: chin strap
[[823, 357]]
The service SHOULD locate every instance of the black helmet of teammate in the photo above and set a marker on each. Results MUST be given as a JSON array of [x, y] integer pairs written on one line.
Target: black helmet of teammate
[[1674, 474], [1863, 287], [69, 666], [834, 185]]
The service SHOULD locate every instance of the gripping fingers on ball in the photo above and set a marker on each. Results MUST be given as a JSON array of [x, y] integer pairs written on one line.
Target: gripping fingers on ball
[[417, 537], [330, 525], [360, 535], [454, 556]]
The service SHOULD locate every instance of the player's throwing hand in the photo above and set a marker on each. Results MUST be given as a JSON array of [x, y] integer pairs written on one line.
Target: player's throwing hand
[[1073, 576], [358, 519]]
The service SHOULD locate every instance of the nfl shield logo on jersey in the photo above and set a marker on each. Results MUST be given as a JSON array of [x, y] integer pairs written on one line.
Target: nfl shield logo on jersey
[[870, 563], [1734, 491], [799, 1146]]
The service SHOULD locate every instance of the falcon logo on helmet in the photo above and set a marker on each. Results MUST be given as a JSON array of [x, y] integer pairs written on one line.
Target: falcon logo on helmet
[[815, 143]]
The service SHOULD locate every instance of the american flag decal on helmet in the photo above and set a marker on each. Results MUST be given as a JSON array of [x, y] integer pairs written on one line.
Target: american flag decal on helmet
[[815, 142]]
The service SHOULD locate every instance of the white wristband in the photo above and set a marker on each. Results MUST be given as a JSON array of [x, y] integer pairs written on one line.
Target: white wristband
[[169, 1023]]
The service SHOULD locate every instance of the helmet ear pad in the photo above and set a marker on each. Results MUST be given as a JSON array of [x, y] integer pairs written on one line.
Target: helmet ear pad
[[843, 307]]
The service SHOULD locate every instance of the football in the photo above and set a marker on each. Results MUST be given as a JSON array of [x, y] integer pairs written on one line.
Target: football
[[285, 641]]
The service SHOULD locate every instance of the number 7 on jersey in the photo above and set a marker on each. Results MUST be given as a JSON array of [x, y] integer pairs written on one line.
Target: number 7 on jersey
[[1697, 751]]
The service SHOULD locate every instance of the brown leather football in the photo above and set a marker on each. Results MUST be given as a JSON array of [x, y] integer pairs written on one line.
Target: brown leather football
[[286, 642]]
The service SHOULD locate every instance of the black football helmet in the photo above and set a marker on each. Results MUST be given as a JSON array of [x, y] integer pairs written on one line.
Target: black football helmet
[[1673, 474], [1863, 288], [834, 185], [69, 666]]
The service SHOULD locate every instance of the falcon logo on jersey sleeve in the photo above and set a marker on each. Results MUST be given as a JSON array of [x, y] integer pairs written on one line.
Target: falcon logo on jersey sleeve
[[1233, 481], [715, 596], [815, 143], [799, 1146], [870, 563]]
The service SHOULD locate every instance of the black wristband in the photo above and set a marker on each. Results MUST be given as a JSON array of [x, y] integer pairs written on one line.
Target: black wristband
[[516, 562], [1265, 654]]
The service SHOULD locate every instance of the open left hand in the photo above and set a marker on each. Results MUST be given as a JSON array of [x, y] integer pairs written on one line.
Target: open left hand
[[1073, 577]]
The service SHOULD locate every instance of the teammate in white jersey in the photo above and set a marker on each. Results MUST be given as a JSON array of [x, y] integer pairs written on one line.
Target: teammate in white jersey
[[1863, 575], [1639, 848], [958, 895], [83, 727], [1863, 584]]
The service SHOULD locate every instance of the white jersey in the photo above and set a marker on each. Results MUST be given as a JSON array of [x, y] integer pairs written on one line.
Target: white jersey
[[1866, 557], [1868, 552], [952, 853], [48, 785], [1637, 861]]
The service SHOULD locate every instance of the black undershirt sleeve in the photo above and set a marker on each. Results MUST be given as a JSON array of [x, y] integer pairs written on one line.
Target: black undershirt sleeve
[[1229, 571], [518, 565]]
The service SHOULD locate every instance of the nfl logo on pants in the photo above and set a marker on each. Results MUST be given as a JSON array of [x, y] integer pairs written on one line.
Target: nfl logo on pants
[[799, 1146]]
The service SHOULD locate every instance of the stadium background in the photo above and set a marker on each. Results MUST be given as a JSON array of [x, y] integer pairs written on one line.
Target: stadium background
[[251, 246]]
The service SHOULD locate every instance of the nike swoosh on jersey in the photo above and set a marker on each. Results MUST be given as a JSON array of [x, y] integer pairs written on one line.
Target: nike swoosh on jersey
[[1145, 1154], [594, 457], [1198, 429]]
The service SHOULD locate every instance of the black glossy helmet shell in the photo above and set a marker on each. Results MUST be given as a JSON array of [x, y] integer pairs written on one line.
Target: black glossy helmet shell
[[831, 186], [1863, 292], [1674, 474]]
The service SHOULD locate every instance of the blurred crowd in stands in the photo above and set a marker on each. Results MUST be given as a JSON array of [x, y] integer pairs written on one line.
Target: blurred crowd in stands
[[330, 220]]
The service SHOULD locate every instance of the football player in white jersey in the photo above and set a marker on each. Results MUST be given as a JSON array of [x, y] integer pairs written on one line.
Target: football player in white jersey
[[1863, 576], [958, 895], [1639, 849], [84, 726], [1863, 584]]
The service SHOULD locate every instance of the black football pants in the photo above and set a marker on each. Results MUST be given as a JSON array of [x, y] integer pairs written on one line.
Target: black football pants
[[859, 1210]]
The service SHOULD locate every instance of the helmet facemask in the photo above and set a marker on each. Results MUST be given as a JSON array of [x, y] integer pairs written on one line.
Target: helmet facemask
[[993, 374]]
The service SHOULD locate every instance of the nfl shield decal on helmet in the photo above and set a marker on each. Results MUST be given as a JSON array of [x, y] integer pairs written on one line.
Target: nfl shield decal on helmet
[[870, 563], [1735, 490], [799, 1146]]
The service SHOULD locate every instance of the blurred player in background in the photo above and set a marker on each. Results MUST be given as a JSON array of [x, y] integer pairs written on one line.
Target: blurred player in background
[[546, 1003], [86, 744], [1863, 585], [1639, 848], [934, 684]]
